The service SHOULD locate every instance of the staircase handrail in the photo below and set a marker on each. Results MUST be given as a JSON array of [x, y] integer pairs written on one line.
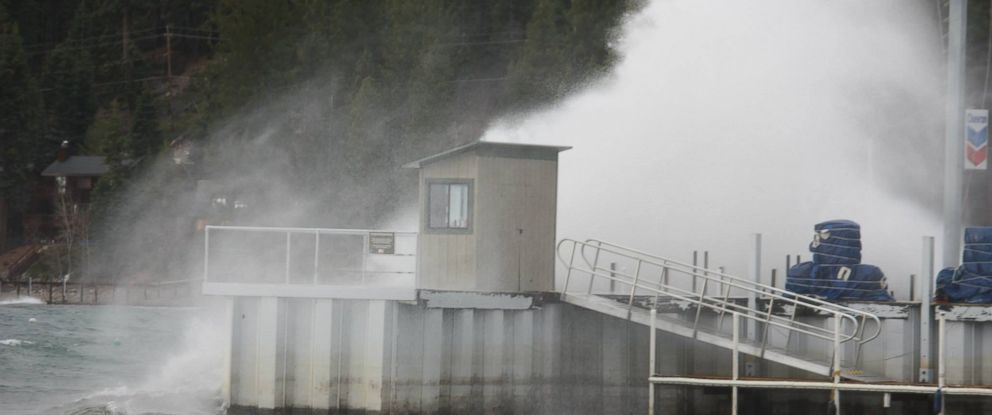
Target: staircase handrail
[[717, 304], [810, 302]]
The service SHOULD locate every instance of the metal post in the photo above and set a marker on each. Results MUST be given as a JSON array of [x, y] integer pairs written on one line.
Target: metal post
[[953, 135], [941, 364], [926, 312], [837, 357], [633, 287], [651, 357], [752, 298], [206, 254], [288, 242], [595, 267], [365, 255], [912, 287], [571, 261], [735, 362], [613, 275], [774, 277], [706, 266], [316, 255], [695, 263]]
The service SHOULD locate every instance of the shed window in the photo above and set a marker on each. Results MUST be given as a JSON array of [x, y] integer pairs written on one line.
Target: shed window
[[449, 205]]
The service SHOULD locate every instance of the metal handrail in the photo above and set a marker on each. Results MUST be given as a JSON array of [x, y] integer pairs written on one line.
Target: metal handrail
[[722, 305], [774, 293], [316, 234]]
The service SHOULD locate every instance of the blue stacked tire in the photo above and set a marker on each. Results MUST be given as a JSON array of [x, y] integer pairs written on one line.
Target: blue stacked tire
[[971, 282], [836, 272]]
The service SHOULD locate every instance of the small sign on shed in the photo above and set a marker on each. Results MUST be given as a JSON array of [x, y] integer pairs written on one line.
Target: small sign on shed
[[382, 243]]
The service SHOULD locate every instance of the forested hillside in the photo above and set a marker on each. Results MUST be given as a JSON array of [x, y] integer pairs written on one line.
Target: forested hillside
[[301, 111]]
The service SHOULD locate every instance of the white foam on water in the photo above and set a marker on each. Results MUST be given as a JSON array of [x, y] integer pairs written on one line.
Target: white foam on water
[[188, 382], [22, 300], [15, 342]]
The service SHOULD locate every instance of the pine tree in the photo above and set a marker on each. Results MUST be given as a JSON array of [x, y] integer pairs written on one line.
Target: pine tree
[[70, 101], [146, 136], [22, 153], [541, 70]]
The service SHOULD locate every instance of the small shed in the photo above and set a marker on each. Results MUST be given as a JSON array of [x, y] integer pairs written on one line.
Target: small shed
[[487, 218]]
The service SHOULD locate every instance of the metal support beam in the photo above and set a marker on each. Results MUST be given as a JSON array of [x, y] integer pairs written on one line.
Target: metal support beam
[[735, 363], [837, 356], [926, 312], [652, 363], [941, 372], [953, 131]]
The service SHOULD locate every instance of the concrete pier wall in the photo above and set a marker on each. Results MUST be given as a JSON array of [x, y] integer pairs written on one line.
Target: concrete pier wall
[[388, 356], [376, 356]]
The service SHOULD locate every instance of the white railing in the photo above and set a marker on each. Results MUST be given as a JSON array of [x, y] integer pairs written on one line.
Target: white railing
[[657, 277], [305, 261]]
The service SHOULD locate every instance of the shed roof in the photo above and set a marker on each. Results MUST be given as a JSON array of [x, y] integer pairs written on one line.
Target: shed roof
[[78, 166], [493, 148]]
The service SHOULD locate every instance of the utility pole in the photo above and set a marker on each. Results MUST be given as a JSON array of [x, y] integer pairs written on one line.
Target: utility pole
[[954, 131]]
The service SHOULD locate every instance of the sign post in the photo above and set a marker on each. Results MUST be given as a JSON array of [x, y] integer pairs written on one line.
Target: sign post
[[976, 139]]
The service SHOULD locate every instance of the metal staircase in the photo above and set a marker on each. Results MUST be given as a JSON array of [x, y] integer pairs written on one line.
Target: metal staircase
[[699, 303]]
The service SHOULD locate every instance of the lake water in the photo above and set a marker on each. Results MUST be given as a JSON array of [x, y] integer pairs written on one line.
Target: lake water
[[63, 359]]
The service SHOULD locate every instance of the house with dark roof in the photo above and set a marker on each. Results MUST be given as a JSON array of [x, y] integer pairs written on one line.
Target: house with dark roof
[[71, 178]]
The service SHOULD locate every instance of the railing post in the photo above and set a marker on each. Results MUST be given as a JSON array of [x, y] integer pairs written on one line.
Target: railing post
[[571, 263], [836, 365], [651, 359], [613, 275], [206, 253], [706, 267], [288, 241], [735, 362], [926, 316], [695, 263], [365, 254], [699, 308], [595, 264], [316, 256], [752, 298], [633, 287]]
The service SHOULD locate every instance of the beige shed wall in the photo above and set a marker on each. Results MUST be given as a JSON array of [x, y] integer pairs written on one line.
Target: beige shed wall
[[515, 224], [447, 261]]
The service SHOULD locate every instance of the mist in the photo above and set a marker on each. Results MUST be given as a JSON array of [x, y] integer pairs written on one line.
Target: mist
[[724, 119]]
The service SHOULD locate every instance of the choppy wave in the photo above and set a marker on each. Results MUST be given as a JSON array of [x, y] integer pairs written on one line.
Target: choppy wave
[[15, 342], [187, 382], [22, 300]]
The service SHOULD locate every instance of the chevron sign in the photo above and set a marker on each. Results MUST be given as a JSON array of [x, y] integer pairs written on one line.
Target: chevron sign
[[976, 139]]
